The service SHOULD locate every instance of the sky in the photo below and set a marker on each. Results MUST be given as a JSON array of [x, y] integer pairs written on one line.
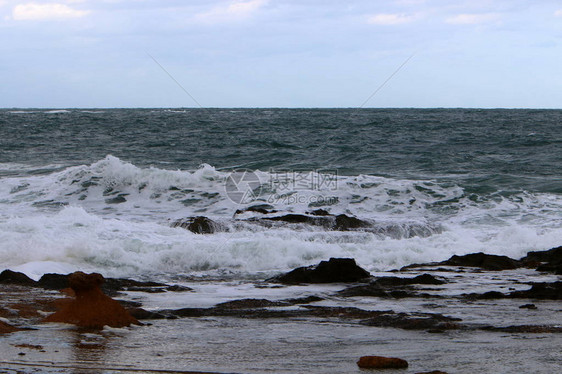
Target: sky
[[281, 53]]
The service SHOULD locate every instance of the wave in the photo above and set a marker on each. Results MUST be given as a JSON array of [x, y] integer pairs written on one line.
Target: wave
[[115, 217]]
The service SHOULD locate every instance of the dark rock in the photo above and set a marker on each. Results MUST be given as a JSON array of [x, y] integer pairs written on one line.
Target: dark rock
[[371, 289], [53, 281], [551, 255], [535, 329], [335, 270], [119, 199], [140, 313], [263, 209], [548, 291], [399, 281], [379, 362], [13, 277], [528, 306], [91, 308], [320, 212], [264, 303], [302, 300], [345, 223], [418, 321], [484, 261], [478, 260], [551, 267], [297, 218], [178, 288], [199, 225], [386, 287], [550, 260], [250, 304], [490, 295], [147, 289]]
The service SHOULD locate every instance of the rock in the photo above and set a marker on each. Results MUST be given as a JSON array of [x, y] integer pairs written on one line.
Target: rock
[[91, 308], [533, 329], [432, 372], [119, 199], [345, 223], [373, 290], [250, 304], [178, 288], [140, 313], [262, 208], [550, 260], [387, 287], [53, 281], [528, 306], [319, 212], [551, 255], [297, 218], [484, 261], [418, 321], [548, 291], [336, 270], [399, 281], [110, 286], [379, 362], [13, 277], [6, 328], [490, 295], [199, 225]]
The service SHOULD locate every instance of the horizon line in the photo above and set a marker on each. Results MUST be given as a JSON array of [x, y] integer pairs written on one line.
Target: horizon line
[[275, 107]]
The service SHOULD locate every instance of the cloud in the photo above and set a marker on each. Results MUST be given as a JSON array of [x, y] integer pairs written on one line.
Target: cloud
[[472, 19], [49, 11], [558, 13], [233, 11], [389, 19]]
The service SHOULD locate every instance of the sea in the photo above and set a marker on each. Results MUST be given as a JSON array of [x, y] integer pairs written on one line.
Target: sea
[[99, 189]]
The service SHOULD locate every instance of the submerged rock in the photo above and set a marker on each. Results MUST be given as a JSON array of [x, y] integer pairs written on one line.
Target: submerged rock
[[91, 308], [336, 270], [379, 362], [261, 208], [199, 225], [345, 223]]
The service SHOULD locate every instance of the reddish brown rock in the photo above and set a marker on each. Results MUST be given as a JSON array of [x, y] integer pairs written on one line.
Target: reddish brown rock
[[91, 307], [6, 328], [379, 362]]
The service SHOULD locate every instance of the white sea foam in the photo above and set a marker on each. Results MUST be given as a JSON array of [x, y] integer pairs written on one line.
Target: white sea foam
[[114, 217]]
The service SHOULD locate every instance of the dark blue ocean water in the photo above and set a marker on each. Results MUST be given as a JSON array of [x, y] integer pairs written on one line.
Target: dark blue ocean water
[[480, 149]]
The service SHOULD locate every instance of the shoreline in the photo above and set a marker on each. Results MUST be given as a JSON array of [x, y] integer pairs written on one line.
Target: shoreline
[[477, 295]]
